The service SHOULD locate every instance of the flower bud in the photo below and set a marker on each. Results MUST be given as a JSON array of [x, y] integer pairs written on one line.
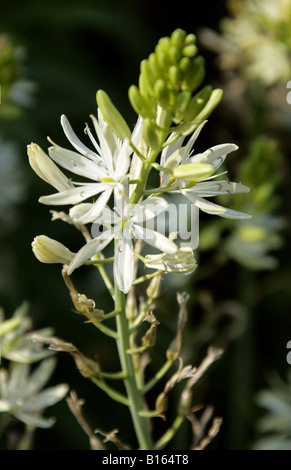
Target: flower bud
[[194, 79], [185, 64], [112, 116], [150, 134], [161, 403], [197, 103], [139, 104], [162, 93], [154, 287], [175, 53], [182, 103], [48, 250], [178, 36], [146, 79], [190, 50], [194, 171], [190, 39], [163, 59], [46, 169], [211, 104], [174, 75], [149, 339]]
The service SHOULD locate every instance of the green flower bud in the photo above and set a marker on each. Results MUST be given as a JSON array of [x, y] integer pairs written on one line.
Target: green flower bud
[[197, 103], [147, 77], [185, 64], [153, 66], [150, 134], [112, 116], [181, 104], [162, 93], [139, 103], [175, 75], [164, 44], [195, 76], [211, 104], [175, 53], [194, 171], [190, 50], [178, 36], [190, 39], [163, 60]]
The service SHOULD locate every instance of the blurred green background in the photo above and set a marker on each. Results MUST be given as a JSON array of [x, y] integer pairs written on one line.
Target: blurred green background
[[67, 51]]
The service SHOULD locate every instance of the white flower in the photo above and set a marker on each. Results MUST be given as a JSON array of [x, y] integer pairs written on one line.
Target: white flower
[[128, 223], [174, 155], [21, 394], [15, 337], [183, 261], [107, 166]]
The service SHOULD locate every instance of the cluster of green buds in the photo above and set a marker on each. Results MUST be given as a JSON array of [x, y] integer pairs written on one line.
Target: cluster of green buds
[[167, 89], [167, 92]]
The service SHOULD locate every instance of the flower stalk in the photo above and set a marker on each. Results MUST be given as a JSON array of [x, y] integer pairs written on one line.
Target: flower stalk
[[118, 168], [133, 393]]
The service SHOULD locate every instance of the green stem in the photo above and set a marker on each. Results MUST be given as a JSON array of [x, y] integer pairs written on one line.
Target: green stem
[[133, 393], [169, 434], [147, 165], [135, 324], [158, 376], [110, 391], [104, 274]]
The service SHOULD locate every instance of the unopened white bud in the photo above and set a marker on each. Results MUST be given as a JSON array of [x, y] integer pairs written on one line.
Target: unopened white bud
[[48, 250], [46, 169]]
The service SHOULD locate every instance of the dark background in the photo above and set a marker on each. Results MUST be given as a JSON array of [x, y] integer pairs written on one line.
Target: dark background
[[74, 48]]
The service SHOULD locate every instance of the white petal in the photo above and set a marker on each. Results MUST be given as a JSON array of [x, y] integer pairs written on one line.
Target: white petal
[[96, 209], [122, 160], [216, 188], [90, 249], [108, 217], [148, 209], [191, 141], [77, 163], [215, 209], [75, 195], [136, 135], [215, 155], [40, 376], [35, 420], [78, 211], [171, 148], [172, 162], [121, 198], [155, 239], [45, 398], [75, 141], [124, 263], [105, 149]]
